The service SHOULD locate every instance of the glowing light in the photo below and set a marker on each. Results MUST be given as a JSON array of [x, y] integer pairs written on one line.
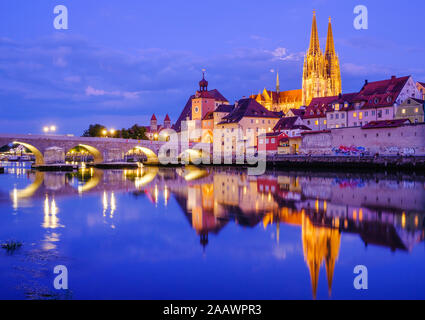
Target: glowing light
[[113, 205], [52, 128], [15, 199], [403, 220], [105, 203], [46, 129]]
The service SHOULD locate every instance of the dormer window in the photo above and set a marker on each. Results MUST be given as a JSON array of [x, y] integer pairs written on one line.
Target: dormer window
[[389, 99], [376, 100]]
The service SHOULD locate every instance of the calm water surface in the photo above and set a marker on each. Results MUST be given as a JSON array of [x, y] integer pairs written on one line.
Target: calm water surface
[[191, 233]]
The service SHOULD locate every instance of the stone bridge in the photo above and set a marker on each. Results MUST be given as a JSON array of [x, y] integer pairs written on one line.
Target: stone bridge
[[47, 147], [102, 149]]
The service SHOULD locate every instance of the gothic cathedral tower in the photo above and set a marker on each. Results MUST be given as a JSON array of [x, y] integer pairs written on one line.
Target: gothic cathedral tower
[[321, 72], [333, 72]]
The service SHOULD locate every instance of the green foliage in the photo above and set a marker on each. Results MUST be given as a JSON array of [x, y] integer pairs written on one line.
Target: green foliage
[[135, 132], [94, 130]]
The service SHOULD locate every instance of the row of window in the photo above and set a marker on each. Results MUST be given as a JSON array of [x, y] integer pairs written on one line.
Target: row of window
[[261, 141]]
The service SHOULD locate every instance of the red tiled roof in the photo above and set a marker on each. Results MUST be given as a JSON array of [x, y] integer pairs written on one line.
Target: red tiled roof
[[217, 95], [187, 110], [422, 84], [386, 124], [248, 108], [382, 93], [318, 106], [286, 123], [298, 112]]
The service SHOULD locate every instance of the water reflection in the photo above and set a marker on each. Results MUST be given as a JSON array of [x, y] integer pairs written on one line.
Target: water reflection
[[383, 211]]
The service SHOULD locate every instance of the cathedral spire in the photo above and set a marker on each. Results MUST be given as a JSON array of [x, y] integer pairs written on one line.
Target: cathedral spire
[[277, 83], [314, 38], [330, 47]]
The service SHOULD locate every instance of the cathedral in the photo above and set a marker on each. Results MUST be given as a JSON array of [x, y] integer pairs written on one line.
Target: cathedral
[[321, 77], [321, 72]]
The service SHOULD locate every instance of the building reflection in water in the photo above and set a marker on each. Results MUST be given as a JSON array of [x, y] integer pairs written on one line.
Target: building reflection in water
[[381, 211]]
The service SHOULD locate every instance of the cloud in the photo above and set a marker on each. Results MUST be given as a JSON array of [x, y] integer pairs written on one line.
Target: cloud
[[282, 54], [60, 76], [90, 91]]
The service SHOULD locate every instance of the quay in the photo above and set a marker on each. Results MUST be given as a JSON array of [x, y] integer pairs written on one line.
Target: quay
[[348, 163]]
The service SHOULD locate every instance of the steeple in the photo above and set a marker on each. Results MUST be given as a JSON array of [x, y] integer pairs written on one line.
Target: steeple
[[277, 83], [203, 84], [314, 38], [330, 47]]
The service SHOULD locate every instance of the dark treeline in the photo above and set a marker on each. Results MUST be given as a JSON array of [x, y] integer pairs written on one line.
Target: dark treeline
[[135, 132]]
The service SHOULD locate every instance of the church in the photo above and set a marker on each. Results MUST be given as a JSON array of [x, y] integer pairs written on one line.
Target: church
[[321, 76]]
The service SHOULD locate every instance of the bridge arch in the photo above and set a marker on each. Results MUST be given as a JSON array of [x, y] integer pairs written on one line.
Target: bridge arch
[[39, 158], [97, 155], [152, 157]]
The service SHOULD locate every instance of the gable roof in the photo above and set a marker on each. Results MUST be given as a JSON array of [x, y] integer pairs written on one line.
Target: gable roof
[[248, 108], [217, 95], [297, 112], [187, 110], [318, 106], [227, 108], [286, 123], [382, 93]]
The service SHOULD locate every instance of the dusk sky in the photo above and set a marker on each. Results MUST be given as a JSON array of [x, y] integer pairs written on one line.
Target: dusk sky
[[122, 60]]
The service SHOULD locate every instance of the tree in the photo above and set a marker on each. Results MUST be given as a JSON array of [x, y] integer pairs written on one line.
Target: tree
[[94, 130], [135, 132]]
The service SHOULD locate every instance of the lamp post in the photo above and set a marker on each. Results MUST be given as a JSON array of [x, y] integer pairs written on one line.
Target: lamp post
[[49, 129]]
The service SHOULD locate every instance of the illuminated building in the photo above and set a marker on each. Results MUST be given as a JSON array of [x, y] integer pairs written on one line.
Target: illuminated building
[[321, 72]]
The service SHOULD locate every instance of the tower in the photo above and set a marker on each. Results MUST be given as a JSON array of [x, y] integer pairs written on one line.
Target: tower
[[333, 72], [277, 84], [321, 72], [203, 102], [154, 124], [167, 122]]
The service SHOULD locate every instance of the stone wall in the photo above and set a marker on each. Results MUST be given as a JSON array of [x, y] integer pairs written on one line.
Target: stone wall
[[404, 140]]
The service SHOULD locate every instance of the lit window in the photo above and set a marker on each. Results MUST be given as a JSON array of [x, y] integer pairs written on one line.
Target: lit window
[[317, 122], [355, 115], [361, 115], [403, 111], [261, 141], [273, 140], [416, 110]]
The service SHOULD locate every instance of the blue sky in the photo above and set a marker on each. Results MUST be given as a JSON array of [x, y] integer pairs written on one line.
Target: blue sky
[[122, 60]]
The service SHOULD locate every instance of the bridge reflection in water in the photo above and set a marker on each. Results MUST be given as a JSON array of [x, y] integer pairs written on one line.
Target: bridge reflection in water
[[382, 211]]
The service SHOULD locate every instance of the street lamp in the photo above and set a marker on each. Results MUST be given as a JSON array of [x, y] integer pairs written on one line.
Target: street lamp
[[46, 129], [104, 132]]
